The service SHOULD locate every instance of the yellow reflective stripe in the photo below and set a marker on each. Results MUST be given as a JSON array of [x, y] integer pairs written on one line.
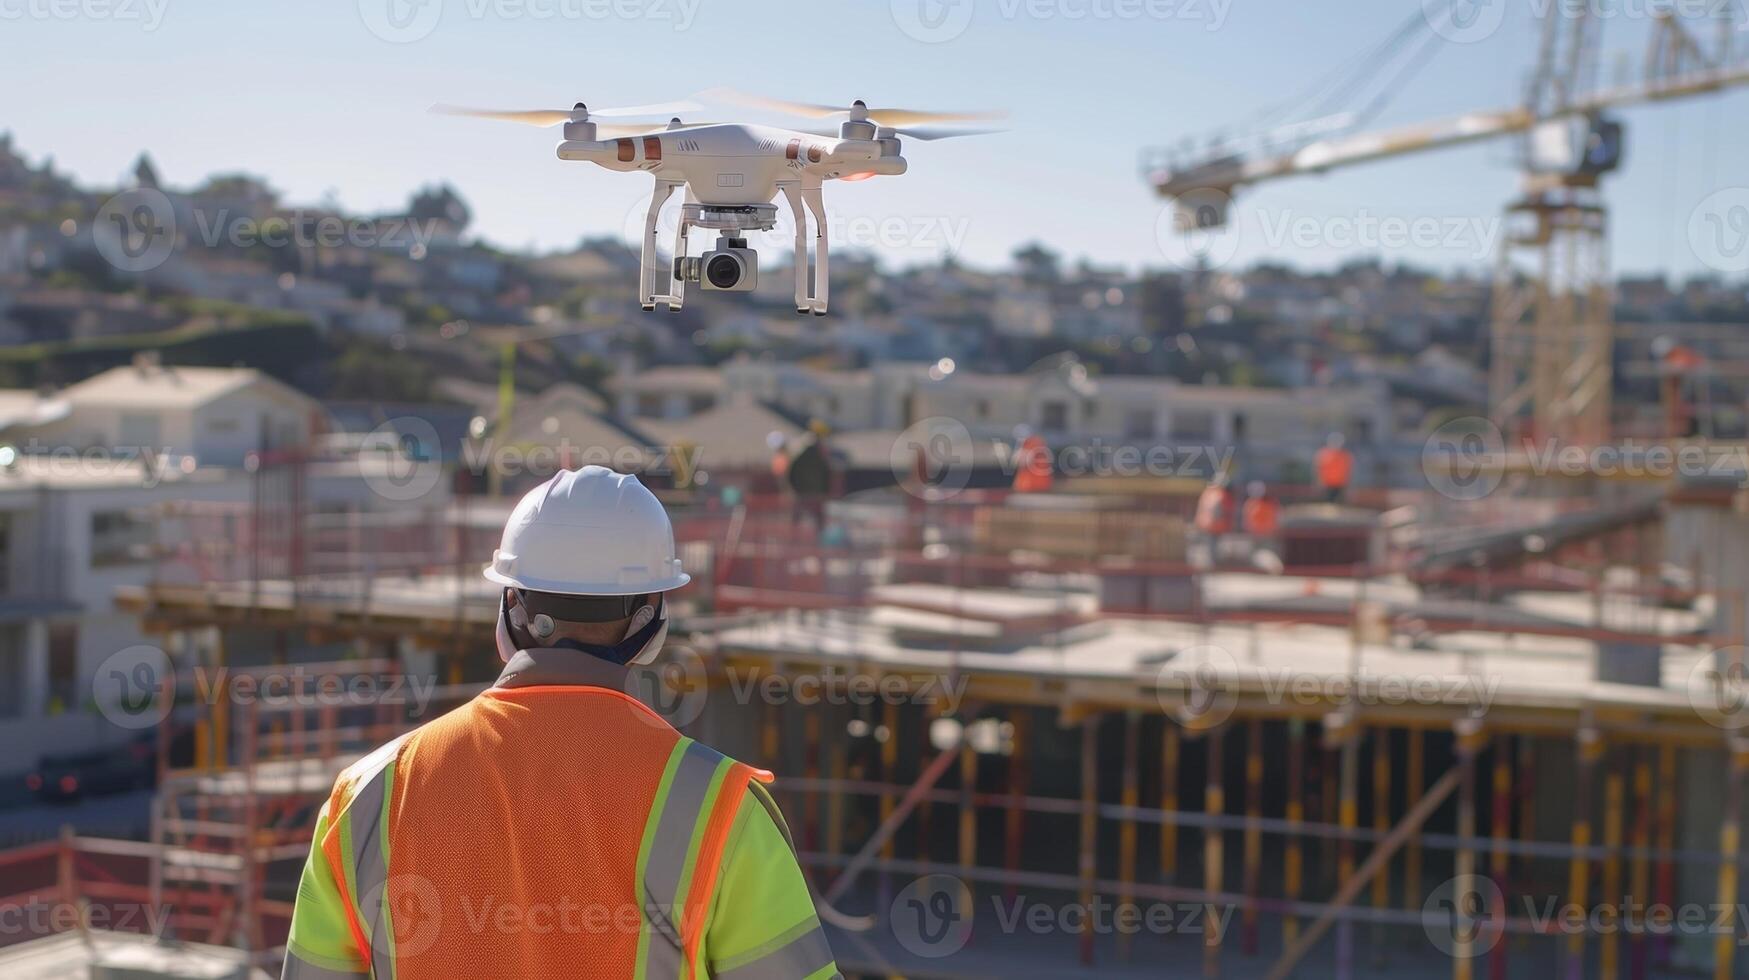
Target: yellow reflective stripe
[[298, 968], [364, 832], [669, 850], [799, 952]]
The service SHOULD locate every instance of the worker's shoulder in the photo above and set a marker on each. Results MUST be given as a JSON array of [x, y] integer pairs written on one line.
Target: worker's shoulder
[[372, 766]]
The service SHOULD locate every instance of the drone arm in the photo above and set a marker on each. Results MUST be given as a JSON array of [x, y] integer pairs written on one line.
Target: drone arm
[[793, 195], [822, 280]]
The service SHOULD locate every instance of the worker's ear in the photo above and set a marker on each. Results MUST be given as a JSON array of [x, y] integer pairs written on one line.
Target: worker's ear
[[641, 618]]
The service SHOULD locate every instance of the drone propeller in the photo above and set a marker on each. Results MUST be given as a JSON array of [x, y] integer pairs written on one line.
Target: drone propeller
[[579, 112], [941, 133], [912, 132], [856, 110]]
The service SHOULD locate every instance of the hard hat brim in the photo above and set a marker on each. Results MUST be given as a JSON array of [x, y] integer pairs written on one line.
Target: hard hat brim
[[584, 588]]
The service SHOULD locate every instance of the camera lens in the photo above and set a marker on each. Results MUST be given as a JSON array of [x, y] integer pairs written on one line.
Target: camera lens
[[723, 271]]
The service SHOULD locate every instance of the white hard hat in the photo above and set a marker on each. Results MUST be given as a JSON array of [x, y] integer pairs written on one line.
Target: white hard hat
[[588, 532]]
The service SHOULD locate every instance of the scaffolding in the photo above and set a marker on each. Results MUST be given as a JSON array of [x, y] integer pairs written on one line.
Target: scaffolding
[[1075, 761]]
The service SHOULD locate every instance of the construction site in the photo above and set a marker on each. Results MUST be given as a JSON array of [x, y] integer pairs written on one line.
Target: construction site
[[1058, 700], [1481, 716]]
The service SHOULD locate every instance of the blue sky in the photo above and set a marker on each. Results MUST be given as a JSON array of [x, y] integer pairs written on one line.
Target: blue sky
[[308, 95]]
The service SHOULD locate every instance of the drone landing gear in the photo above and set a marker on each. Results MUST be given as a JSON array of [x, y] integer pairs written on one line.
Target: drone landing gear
[[810, 295], [652, 265]]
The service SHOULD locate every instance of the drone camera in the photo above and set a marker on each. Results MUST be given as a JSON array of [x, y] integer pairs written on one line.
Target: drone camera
[[730, 267]]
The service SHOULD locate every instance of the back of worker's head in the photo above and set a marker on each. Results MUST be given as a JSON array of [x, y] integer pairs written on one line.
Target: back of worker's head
[[584, 561]]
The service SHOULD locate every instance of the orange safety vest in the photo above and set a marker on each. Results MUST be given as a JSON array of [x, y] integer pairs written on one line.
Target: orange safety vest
[[1334, 466], [1214, 510], [470, 838], [1033, 475], [1262, 515]]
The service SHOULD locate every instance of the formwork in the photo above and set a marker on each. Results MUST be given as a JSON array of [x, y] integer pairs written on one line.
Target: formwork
[[1393, 766]]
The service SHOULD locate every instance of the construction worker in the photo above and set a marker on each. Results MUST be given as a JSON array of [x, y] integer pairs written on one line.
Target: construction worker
[[1216, 508], [1033, 472], [810, 472], [1335, 464], [1262, 512], [554, 826]]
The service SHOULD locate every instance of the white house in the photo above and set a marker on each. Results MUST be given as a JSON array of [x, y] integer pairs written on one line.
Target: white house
[[218, 416]]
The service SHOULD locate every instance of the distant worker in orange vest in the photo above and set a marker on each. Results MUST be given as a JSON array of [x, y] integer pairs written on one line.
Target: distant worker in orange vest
[[1215, 509], [554, 826], [1262, 512], [1335, 464], [1033, 474]]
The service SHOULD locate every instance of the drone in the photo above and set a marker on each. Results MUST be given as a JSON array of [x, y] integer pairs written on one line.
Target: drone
[[732, 173]]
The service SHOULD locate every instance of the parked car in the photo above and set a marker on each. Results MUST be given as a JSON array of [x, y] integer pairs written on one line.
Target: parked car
[[132, 766]]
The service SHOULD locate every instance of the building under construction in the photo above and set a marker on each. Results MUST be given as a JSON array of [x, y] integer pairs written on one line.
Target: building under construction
[[1437, 737]]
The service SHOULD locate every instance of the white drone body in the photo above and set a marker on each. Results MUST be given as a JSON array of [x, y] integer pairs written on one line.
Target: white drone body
[[732, 173]]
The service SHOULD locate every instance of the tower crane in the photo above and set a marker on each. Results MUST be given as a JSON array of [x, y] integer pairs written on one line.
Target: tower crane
[[1552, 328]]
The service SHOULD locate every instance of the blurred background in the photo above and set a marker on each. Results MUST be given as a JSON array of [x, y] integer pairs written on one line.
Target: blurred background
[[1277, 508]]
